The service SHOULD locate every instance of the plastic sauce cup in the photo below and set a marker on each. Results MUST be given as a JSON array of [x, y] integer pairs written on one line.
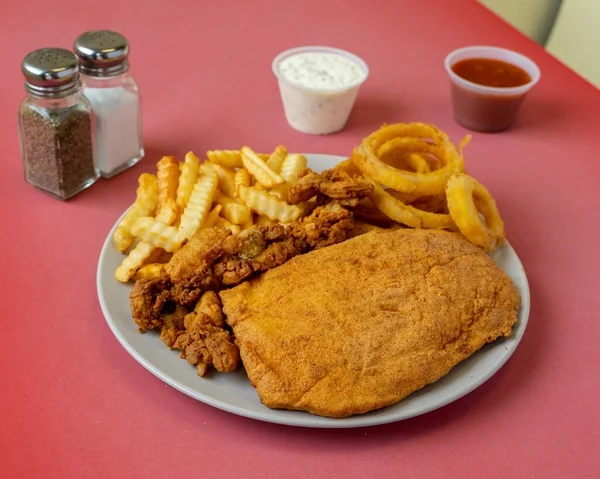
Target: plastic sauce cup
[[484, 108], [314, 110]]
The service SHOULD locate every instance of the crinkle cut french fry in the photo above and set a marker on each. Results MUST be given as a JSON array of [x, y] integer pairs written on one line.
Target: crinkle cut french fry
[[292, 166], [199, 203], [307, 207], [276, 159], [187, 179], [232, 210], [212, 217], [167, 214], [157, 233], [168, 177], [149, 271], [134, 260], [247, 224], [290, 169], [281, 191], [242, 177], [265, 204], [144, 205], [226, 179], [259, 169], [223, 223], [229, 158], [144, 251], [263, 220], [209, 168]]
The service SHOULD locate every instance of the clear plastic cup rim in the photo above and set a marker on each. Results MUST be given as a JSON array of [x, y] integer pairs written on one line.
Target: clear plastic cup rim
[[495, 53], [320, 49]]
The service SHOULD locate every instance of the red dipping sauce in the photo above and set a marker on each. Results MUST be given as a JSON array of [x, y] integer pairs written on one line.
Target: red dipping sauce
[[487, 92], [489, 72]]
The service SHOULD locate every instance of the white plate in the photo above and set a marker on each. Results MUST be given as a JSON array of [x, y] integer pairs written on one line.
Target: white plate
[[233, 393]]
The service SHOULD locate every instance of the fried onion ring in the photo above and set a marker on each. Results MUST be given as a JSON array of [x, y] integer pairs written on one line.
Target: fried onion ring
[[407, 214], [368, 162], [348, 166], [418, 163], [413, 153], [467, 198], [431, 203]]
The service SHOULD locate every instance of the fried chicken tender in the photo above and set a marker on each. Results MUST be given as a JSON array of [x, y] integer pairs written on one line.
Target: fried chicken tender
[[147, 299], [203, 344], [333, 184], [197, 255], [173, 325], [266, 247], [205, 341], [189, 269], [210, 305], [213, 259]]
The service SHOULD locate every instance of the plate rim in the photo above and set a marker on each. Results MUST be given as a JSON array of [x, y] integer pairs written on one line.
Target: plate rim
[[307, 419]]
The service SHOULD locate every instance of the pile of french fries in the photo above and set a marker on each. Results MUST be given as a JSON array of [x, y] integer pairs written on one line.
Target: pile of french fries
[[233, 189]]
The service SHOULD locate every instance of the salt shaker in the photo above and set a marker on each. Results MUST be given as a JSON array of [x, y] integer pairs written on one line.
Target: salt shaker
[[115, 98], [56, 125]]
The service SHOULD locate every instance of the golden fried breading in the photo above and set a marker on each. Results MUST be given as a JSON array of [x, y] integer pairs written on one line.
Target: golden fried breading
[[204, 341], [360, 325], [197, 254], [333, 184], [173, 325]]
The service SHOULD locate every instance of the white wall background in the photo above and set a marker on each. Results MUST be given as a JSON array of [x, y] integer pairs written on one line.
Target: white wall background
[[575, 39], [532, 17]]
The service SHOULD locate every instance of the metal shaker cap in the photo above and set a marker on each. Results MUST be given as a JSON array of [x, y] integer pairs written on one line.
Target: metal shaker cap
[[50, 72], [102, 53]]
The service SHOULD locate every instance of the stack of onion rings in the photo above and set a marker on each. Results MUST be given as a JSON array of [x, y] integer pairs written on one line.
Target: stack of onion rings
[[368, 161], [419, 180]]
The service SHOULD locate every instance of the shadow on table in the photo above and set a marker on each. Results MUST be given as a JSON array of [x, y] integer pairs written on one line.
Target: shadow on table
[[487, 396], [536, 114]]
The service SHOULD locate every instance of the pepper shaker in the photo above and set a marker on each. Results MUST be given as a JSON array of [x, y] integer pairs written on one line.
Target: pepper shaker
[[115, 98], [56, 125]]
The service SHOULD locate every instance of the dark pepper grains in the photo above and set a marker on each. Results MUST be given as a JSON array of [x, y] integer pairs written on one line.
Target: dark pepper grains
[[58, 149]]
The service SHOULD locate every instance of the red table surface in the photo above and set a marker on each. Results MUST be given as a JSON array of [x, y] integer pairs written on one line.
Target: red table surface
[[74, 403]]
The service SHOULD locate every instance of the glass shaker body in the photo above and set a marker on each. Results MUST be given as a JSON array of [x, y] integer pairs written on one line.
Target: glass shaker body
[[117, 106], [58, 143]]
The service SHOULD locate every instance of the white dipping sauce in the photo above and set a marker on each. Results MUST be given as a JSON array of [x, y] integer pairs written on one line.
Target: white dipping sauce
[[327, 71], [318, 90]]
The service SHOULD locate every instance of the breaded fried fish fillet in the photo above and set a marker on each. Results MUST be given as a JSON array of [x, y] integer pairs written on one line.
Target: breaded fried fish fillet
[[362, 324]]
